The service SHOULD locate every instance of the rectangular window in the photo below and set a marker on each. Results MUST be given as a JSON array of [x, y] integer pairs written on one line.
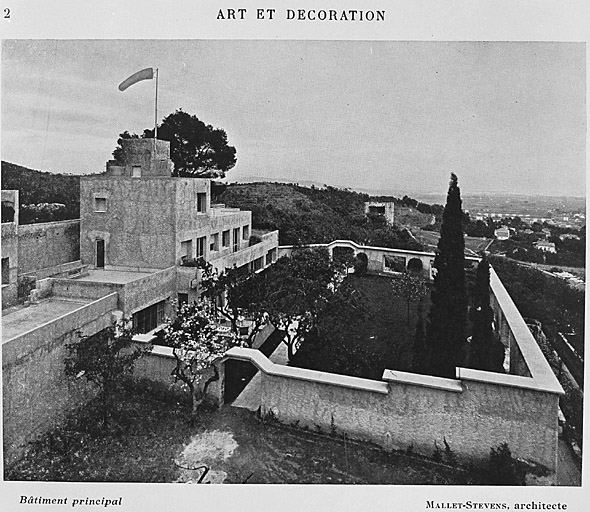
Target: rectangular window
[[225, 239], [201, 241], [271, 256], [136, 171], [201, 202], [257, 264], [186, 250], [246, 232], [236, 244], [149, 318], [5, 270], [394, 263], [377, 210], [100, 204], [214, 245]]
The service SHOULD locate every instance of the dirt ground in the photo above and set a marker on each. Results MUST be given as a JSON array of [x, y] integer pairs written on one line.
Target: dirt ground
[[152, 441]]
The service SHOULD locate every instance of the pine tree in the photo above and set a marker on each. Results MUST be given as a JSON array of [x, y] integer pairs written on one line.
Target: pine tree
[[487, 353], [448, 312]]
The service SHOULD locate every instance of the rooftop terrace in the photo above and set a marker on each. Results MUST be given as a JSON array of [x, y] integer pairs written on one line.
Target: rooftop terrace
[[112, 276], [22, 319]]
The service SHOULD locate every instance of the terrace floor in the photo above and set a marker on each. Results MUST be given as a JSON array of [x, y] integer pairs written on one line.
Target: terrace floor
[[21, 319], [113, 276]]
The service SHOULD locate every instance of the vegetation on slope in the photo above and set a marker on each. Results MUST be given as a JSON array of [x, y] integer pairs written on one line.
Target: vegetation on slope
[[41, 193], [314, 215]]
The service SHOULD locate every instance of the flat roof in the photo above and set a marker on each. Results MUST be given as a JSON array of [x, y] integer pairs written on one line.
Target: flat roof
[[113, 276], [26, 318]]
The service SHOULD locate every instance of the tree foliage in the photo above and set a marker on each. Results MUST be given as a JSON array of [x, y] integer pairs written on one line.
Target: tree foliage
[[546, 298], [236, 295], [43, 196], [197, 149], [420, 356], [332, 344], [293, 291], [105, 359], [410, 287], [502, 468], [448, 312], [305, 215], [196, 344]]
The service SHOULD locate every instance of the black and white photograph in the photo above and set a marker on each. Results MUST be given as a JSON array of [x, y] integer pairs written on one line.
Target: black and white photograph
[[252, 262]]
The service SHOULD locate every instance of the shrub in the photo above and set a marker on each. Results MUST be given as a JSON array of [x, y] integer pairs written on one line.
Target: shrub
[[502, 467], [254, 239]]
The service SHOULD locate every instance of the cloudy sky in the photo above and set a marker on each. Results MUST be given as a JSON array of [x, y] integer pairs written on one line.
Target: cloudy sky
[[390, 116]]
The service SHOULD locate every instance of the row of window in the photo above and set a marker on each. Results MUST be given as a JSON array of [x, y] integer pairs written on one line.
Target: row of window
[[100, 203], [186, 247]]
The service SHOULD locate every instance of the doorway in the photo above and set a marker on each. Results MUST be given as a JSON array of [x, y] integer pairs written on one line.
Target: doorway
[[100, 254]]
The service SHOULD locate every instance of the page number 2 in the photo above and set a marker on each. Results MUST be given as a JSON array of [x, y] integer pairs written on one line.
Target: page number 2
[[6, 13]]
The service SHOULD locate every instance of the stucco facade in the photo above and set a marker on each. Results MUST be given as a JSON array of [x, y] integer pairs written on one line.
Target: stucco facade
[[10, 250], [137, 217]]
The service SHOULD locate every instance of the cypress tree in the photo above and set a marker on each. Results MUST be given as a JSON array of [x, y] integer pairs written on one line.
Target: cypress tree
[[448, 312], [487, 353], [420, 354]]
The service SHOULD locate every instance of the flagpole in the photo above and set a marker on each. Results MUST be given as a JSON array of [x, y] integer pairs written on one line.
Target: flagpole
[[156, 113]]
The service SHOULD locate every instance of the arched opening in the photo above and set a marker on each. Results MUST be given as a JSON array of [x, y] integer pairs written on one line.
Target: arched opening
[[415, 266], [361, 264]]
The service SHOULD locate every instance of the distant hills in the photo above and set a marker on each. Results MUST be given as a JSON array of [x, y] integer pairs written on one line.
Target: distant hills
[[40, 187], [312, 214], [36, 187]]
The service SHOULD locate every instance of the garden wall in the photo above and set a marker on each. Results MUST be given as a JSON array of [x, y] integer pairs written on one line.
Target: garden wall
[[406, 409], [48, 244], [36, 394]]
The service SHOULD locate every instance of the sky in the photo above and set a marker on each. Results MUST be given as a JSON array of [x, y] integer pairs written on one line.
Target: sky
[[389, 116]]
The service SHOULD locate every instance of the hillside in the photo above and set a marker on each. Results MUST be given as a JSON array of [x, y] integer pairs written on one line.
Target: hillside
[[313, 215], [36, 187]]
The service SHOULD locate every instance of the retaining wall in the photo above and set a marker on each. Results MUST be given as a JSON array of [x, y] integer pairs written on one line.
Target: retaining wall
[[36, 394]]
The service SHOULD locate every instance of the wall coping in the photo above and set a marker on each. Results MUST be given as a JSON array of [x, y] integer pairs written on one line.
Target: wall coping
[[46, 225], [542, 377], [259, 360], [504, 379], [427, 381], [360, 247], [464, 375]]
